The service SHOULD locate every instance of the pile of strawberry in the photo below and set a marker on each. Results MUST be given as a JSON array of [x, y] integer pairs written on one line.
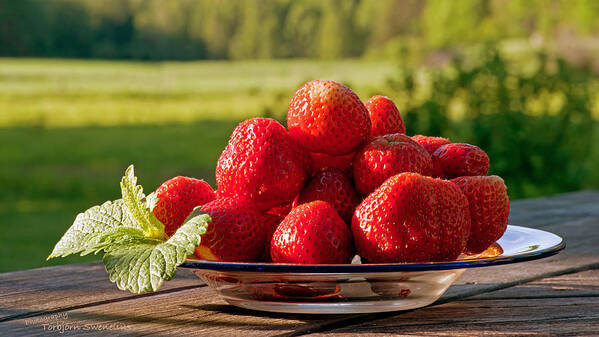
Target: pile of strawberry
[[342, 179]]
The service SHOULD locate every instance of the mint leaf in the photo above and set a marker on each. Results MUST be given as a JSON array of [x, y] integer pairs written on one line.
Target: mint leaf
[[96, 220], [143, 266], [151, 201], [135, 200], [136, 256], [110, 238]]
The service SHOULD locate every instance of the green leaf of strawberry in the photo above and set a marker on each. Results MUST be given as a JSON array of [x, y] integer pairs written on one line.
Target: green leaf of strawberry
[[137, 257]]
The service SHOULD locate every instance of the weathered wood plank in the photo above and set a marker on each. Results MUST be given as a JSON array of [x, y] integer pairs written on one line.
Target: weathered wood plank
[[570, 317], [216, 316], [29, 292], [508, 312], [194, 311], [86, 296], [540, 212], [197, 312], [582, 284], [580, 254]]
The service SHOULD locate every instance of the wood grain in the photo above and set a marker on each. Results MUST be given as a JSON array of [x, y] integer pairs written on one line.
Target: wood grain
[[198, 312], [541, 212], [582, 284], [195, 311], [580, 254], [44, 290], [529, 309], [481, 296]]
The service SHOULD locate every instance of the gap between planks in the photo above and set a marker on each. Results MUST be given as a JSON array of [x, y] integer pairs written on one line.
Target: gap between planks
[[459, 296], [92, 304], [521, 218], [346, 322]]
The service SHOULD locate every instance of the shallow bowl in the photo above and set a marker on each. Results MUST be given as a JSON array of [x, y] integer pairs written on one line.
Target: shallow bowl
[[361, 288]]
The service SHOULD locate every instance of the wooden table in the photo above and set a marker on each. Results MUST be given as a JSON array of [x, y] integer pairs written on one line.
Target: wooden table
[[554, 296]]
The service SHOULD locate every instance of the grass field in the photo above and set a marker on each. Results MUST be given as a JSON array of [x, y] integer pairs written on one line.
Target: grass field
[[59, 93], [68, 130]]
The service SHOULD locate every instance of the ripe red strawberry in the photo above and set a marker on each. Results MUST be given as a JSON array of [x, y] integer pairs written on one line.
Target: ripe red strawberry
[[272, 219], [312, 233], [411, 218], [327, 117], [237, 232], [302, 156], [333, 186], [386, 156], [261, 164], [459, 159], [178, 196], [431, 144], [323, 160], [281, 211], [453, 218], [384, 116], [271, 222], [489, 209]]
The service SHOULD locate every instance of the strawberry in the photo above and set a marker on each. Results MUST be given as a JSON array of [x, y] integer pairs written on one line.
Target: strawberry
[[312, 233], [323, 160], [327, 117], [237, 232], [384, 116], [460, 159], [489, 209], [453, 217], [385, 156], [431, 144], [272, 219], [178, 196], [281, 211], [261, 164], [333, 186], [303, 157], [270, 222], [412, 218]]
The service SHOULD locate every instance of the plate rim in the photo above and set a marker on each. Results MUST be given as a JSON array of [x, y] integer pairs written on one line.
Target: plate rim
[[264, 267]]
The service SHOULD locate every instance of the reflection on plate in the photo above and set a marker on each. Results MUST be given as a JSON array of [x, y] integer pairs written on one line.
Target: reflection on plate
[[360, 288], [493, 251]]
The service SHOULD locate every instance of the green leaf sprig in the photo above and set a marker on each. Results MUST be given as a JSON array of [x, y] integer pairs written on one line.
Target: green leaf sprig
[[138, 254]]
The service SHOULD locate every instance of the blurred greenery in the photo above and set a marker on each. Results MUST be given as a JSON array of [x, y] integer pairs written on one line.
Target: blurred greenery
[[61, 93], [536, 122], [51, 174], [518, 78], [250, 29]]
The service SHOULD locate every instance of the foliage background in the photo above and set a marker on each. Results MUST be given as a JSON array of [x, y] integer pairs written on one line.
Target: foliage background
[[88, 87], [249, 29]]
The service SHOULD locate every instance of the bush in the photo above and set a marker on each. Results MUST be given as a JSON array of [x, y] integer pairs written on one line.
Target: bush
[[536, 127]]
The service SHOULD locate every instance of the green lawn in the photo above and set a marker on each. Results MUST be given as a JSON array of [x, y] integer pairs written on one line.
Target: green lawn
[[50, 175], [59, 93], [68, 130]]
